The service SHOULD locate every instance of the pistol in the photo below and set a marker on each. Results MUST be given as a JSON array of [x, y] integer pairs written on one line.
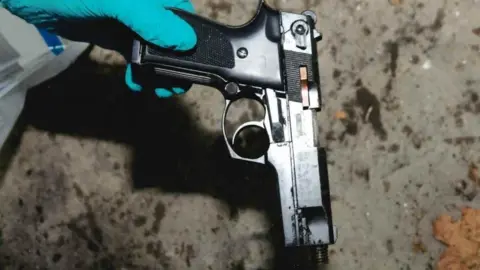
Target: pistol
[[271, 59]]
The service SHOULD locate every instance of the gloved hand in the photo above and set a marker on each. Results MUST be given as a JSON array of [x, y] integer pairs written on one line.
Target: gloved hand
[[102, 22]]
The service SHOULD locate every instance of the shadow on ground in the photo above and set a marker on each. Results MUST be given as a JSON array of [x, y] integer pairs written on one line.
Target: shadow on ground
[[171, 151]]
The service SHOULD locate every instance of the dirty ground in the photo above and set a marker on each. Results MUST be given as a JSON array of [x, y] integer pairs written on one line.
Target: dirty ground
[[100, 178]]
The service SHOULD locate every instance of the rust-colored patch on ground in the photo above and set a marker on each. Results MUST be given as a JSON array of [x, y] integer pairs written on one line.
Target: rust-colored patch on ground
[[462, 238], [341, 115]]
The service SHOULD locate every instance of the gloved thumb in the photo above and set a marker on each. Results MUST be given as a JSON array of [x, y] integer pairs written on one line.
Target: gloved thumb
[[160, 26]]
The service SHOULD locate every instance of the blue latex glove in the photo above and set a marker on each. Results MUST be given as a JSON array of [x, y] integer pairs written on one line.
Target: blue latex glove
[[97, 22]]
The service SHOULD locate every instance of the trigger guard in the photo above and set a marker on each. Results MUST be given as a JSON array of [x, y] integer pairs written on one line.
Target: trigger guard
[[258, 124], [229, 144]]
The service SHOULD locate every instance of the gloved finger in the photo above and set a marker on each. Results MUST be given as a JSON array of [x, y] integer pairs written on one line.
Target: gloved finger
[[129, 80], [181, 4], [159, 26], [165, 93], [160, 92]]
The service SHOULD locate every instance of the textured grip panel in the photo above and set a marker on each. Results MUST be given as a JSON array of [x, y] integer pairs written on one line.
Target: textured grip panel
[[213, 47], [294, 61]]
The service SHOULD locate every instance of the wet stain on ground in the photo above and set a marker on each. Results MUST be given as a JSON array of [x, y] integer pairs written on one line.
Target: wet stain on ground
[[156, 250], [474, 97], [407, 130], [311, 3], [409, 32], [367, 31], [190, 254], [471, 104], [393, 148], [333, 52], [363, 173], [460, 186], [350, 122], [389, 246], [417, 141], [458, 119], [370, 106], [93, 243], [221, 7], [415, 59], [383, 28], [415, 138], [56, 257], [438, 22], [238, 266], [392, 48], [351, 128], [476, 31], [466, 190], [336, 73], [330, 136], [140, 221], [465, 140], [386, 186], [159, 215]]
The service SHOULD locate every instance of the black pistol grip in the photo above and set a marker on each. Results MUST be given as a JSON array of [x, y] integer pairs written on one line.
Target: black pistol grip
[[213, 47], [246, 55]]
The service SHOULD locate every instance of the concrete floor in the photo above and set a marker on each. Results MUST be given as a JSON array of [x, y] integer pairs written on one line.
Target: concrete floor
[[103, 179]]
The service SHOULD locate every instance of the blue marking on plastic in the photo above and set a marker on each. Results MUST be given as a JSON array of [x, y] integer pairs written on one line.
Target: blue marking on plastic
[[53, 42]]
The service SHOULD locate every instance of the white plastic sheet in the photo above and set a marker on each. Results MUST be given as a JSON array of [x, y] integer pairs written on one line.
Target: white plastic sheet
[[28, 56]]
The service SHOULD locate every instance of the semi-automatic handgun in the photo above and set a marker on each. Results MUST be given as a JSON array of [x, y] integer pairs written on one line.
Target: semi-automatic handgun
[[271, 59]]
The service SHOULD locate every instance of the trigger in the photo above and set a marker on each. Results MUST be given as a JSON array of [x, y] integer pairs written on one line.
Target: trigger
[[276, 121]]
